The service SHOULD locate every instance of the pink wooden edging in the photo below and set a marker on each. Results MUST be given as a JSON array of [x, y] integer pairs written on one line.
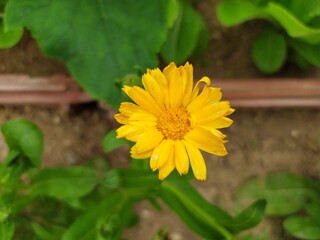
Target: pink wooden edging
[[253, 93], [282, 92], [55, 90]]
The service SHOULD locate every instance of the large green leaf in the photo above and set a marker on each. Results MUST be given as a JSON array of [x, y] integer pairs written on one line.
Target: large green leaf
[[285, 193], [64, 183], [9, 38], [185, 35], [98, 40], [233, 12], [269, 50], [24, 139], [303, 227]]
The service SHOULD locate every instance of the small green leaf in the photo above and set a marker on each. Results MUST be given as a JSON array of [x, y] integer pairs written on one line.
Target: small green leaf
[[250, 217], [110, 142], [42, 233], [285, 193], [309, 52], [5, 211], [85, 227], [303, 227], [313, 208], [233, 12], [184, 36], [64, 183], [269, 51], [24, 137], [201, 216], [7, 230], [294, 27], [9, 38], [112, 179]]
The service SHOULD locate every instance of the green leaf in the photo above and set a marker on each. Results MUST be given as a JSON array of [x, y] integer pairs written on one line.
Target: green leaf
[[98, 40], [64, 183], [313, 208], [85, 227], [250, 217], [309, 52], [24, 137], [201, 216], [269, 51], [9, 38], [294, 27], [112, 179], [233, 12], [7, 230], [285, 193], [43, 233], [110, 142], [303, 227], [304, 10], [184, 36], [5, 211]]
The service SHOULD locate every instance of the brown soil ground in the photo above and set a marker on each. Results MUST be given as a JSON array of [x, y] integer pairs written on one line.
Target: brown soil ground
[[260, 141]]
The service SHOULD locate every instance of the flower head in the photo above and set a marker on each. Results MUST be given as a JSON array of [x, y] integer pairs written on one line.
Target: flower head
[[170, 121]]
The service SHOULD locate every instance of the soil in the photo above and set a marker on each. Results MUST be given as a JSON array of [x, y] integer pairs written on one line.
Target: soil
[[260, 141]]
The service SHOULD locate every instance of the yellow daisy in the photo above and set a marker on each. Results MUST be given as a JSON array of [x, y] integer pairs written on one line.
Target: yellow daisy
[[170, 121]]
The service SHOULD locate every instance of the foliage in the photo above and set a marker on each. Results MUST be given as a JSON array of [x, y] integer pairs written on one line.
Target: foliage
[[105, 40], [8, 38], [295, 25], [295, 198], [91, 202]]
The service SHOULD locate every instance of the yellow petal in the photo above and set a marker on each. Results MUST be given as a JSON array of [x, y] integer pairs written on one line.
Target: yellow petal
[[128, 108], [152, 86], [148, 140], [230, 111], [195, 92], [197, 162], [166, 169], [200, 101], [134, 137], [211, 112], [142, 118], [173, 77], [181, 158], [186, 73], [215, 95], [221, 122], [169, 165], [206, 141], [137, 155], [121, 118], [163, 83], [143, 99], [125, 130], [161, 154]]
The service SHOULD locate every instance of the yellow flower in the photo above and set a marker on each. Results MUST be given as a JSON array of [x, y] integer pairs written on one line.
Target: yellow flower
[[171, 121]]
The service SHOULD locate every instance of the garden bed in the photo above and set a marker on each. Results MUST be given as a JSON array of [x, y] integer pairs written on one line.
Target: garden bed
[[260, 140]]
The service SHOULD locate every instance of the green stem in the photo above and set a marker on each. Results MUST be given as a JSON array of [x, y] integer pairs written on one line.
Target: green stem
[[204, 215]]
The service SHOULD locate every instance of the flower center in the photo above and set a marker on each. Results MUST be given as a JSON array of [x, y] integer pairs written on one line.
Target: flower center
[[174, 123]]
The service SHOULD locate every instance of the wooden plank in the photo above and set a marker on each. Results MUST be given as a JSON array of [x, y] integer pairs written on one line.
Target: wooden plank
[[246, 93]]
